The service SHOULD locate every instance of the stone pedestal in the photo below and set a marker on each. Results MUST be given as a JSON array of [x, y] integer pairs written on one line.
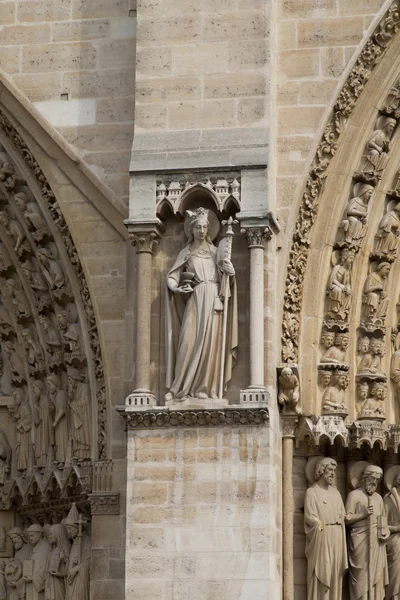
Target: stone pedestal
[[201, 505]]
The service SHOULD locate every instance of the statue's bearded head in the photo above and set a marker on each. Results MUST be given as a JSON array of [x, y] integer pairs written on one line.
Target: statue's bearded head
[[326, 469], [370, 479]]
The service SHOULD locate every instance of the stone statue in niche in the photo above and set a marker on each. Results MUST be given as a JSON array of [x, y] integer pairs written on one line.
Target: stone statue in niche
[[35, 569], [15, 231], [58, 562], [374, 406], [387, 239], [327, 339], [392, 508], [5, 457], [371, 361], [43, 411], [365, 518], [71, 334], [13, 291], [14, 566], [375, 300], [337, 352], [333, 399], [339, 286], [79, 404], [53, 340], [59, 400], [324, 378], [289, 391], [377, 151], [201, 298], [38, 284], [32, 213], [364, 356], [355, 221], [325, 530], [22, 414], [78, 572]]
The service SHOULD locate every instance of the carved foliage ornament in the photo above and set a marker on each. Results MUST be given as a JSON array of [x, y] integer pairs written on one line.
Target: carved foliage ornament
[[343, 108]]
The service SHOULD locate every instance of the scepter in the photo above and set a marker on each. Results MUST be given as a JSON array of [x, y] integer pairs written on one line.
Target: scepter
[[227, 248]]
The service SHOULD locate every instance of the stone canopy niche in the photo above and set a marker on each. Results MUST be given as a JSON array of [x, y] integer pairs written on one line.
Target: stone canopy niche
[[55, 476]]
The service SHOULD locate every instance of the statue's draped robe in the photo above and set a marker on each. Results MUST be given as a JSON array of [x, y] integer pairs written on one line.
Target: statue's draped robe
[[79, 557], [55, 584], [40, 558], [194, 329], [61, 430], [339, 302], [357, 501], [80, 418], [44, 430], [392, 507], [18, 592], [24, 423], [326, 548]]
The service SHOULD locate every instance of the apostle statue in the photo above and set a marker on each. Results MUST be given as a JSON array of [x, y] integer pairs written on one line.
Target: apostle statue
[[365, 518], [201, 297], [35, 569], [392, 508], [326, 537], [14, 566], [78, 572], [58, 562]]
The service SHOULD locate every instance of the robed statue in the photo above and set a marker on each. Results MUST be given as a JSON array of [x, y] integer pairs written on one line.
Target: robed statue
[[325, 530], [392, 508], [202, 331]]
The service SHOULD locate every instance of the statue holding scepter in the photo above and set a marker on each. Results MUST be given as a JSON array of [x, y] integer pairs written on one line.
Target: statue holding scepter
[[197, 346]]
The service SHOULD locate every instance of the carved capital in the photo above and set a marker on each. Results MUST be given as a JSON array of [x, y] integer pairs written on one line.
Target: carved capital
[[144, 235], [289, 424], [257, 236], [104, 503]]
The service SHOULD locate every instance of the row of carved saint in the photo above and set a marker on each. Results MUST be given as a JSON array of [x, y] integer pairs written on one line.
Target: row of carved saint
[[55, 564], [371, 552]]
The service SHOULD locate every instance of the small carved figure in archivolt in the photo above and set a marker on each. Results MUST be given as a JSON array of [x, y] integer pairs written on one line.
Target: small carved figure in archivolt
[[33, 350], [377, 151], [365, 518], [324, 378], [333, 399], [200, 285], [32, 213], [371, 362], [375, 300], [364, 356], [5, 457], [374, 406], [337, 352], [355, 221], [79, 404], [13, 290], [15, 230], [324, 515], [38, 284], [54, 272], [289, 391], [43, 411], [22, 414], [13, 353], [362, 396], [387, 239], [339, 286], [395, 365], [59, 400], [53, 340], [71, 334]]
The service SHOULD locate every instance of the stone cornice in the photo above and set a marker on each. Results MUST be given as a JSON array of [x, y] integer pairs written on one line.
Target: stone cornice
[[158, 418]]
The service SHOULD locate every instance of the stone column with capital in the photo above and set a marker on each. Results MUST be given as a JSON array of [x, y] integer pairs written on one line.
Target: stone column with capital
[[145, 237]]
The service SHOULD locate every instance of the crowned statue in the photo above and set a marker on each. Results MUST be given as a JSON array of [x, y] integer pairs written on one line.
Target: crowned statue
[[202, 330]]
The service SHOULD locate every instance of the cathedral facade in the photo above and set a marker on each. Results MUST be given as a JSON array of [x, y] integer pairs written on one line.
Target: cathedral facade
[[199, 299]]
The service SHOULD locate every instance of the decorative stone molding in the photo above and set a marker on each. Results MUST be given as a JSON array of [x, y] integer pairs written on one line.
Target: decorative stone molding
[[163, 417], [328, 427], [106, 503], [344, 106]]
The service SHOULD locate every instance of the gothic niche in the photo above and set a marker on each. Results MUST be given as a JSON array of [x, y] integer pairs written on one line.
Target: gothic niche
[[53, 469]]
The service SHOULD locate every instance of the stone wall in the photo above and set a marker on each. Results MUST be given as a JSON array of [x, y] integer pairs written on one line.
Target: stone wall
[[74, 60], [201, 514]]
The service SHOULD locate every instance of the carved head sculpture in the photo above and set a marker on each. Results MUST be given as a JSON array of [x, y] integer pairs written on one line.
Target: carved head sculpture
[[37, 388], [9, 287], [347, 257], [17, 537], [363, 345], [286, 374], [54, 383], [27, 268], [63, 319], [74, 376], [4, 218], [199, 225], [327, 339], [58, 536], [342, 340], [324, 378], [18, 395], [378, 390], [364, 191], [383, 269], [72, 522], [363, 390], [386, 124], [341, 380], [377, 347], [370, 479], [396, 482], [45, 256], [21, 200], [35, 534], [326, 468]]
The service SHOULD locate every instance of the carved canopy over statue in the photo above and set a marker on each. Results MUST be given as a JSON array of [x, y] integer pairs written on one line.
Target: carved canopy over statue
[[201, 310]]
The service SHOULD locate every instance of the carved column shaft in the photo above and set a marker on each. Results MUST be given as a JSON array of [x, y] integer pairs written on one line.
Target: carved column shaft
[[256, 237], [289, 425]]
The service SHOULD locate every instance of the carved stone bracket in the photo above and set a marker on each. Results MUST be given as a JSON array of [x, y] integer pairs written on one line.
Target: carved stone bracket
[[160, 418], [104, 503]]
